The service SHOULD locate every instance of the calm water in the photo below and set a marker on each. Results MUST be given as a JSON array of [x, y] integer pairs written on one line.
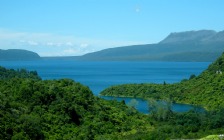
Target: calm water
[[100, 75], [142, 105]]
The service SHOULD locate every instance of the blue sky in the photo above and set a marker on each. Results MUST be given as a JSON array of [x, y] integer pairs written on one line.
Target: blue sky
[[76, 27]]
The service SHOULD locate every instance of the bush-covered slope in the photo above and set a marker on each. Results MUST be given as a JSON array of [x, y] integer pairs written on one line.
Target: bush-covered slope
[[22, 73], [63, 109], [207, 89], [60, 109]]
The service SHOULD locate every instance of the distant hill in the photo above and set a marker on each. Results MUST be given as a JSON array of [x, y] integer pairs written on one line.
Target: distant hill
[[17, 54], [203, 45], [189, 37]]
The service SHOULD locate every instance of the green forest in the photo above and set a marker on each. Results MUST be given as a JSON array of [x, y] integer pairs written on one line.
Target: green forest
[[206, 89], [32, 108]]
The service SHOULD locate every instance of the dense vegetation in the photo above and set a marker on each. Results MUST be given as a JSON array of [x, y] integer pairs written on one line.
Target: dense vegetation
[[31, 108], [60, 109], [207, 89]]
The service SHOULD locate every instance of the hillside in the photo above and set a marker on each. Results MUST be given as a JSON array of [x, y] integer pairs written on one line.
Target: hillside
[[190, 36], [17, 54], [31, 108], [207, 89], [203, 45]]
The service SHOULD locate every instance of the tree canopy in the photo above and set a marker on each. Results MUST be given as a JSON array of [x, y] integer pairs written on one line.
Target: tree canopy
[[31, 108], [207, 89]]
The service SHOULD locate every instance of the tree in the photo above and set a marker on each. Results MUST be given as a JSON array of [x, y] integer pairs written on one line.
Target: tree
[[160, 110], [133, 103], [192, 76]]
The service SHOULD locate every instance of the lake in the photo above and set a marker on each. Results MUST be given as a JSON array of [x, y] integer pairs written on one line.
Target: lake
[[100, 75], [142, 105]]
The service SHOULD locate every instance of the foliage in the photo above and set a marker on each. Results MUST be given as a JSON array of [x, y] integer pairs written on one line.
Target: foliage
[[207, 89], [31, 108], [22, 73], [160, 111], [133, 103], [60, 109]]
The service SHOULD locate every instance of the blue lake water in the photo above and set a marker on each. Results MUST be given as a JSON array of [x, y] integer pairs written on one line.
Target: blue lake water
[[100, 75], [142, 105]]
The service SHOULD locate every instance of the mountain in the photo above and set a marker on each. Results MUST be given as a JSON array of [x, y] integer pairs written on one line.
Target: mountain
[[189, 36], [202, 45], [207, 89], [17, 54]]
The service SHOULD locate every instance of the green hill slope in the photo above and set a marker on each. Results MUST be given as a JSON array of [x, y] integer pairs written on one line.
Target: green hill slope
[[17, 54], [207, 89], [60, 109], [31, 108]]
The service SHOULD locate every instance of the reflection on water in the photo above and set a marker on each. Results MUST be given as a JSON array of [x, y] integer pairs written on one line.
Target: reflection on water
[[142, 105]]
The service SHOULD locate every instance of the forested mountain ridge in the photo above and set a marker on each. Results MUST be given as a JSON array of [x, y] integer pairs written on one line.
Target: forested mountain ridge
[[207, 89], [18, 54], [202, 45]]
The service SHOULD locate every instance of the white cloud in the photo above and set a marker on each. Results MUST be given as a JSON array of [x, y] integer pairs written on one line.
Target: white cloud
[[50, 44], [69, 43], [22, 41], [70, 51], [46, 44], [32, 43], [28, 42], [59, 44], [84, 45]]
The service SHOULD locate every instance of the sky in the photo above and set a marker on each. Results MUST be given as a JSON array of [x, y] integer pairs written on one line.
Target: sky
[[77, 27]]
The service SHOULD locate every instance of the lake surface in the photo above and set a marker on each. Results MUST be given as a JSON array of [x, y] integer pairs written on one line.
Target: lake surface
[[142, 105], [100, 75]]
